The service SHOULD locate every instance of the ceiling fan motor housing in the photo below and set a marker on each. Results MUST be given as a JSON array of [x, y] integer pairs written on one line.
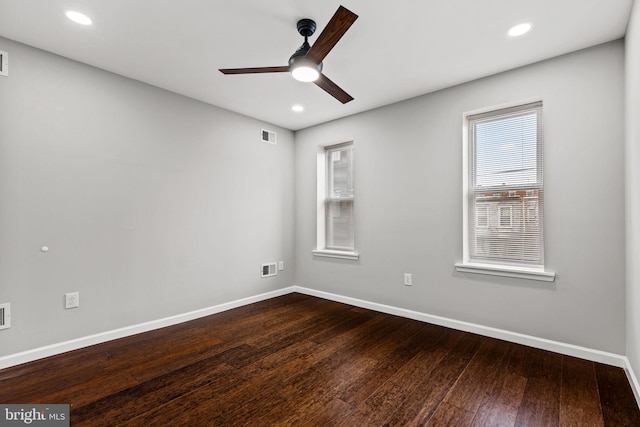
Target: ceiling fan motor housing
[[306, 27]]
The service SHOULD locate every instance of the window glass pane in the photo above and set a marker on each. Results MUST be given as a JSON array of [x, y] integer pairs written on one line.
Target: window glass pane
[[512, 232], [340, 172], [505, 151], [339, 223]]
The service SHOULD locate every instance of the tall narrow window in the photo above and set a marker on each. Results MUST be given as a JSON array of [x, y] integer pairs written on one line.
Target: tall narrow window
[[504, 191], [336, 233], [339, 198]]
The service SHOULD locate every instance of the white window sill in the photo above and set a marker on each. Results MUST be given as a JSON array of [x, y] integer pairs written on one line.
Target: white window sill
[[336, 254], [507, 271]]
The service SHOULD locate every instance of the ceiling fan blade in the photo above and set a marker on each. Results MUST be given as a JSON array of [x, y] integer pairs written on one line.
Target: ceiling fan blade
[[284, 69], [332, 33], [333, 89]]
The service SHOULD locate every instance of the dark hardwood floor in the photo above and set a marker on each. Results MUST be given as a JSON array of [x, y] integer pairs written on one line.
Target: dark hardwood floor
[[304, 361]]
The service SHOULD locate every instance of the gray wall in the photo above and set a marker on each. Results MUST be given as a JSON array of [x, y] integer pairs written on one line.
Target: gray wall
[[632, 157], [408, 177], [151, 204]]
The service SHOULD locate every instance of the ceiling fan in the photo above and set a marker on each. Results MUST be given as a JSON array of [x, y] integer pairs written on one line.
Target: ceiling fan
[[306, 63]]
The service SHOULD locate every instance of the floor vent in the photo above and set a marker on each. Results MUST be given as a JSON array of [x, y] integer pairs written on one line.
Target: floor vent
[[269, 270], [4, 63], [5, 316], [268, 136]]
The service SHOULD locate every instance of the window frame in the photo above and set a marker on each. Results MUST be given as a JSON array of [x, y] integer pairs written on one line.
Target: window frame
[[323, 201], [491, 267]]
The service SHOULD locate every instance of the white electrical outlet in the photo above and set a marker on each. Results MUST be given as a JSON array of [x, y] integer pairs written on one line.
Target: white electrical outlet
[[72, 300], [280, 265], [408, 280]]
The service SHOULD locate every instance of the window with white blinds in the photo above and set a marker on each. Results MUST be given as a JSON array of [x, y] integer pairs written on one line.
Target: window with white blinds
[[338, 204], [505, 187]]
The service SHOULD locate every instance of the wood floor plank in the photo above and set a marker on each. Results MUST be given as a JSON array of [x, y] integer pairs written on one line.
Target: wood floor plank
[[393, 403], [159, 356], [541, 401], [261, 386], [300, 329], [314, 401], [436, 386], [330, 369], [327, 415], [350, 320], [301, 360], [500, 407], [448, 415], [495, 415], [312, 412], [479, 378], [392, 354], [32, 384], [616, 398], [223, 402], [128, 404], [579, 399], [336, 364]]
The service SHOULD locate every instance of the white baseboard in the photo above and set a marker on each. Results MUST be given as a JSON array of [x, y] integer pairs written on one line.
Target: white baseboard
[[633, 380], [63, 347], [528, 340]]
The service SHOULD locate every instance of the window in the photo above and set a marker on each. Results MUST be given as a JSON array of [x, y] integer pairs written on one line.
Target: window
[[505, 216], [336, 235], [503, 192], [482, 215]]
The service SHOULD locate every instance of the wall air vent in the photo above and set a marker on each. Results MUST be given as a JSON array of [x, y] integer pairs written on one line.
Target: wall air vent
[[269, 270], [268, 136], [5, 316], [4, 63]]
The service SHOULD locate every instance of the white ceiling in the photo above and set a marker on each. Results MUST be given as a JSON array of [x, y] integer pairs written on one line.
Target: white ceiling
[[394, 51]]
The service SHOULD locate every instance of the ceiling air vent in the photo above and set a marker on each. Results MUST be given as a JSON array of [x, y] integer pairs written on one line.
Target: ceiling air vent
[[4, 63], [268, 136], [5, 316], [269, 270]]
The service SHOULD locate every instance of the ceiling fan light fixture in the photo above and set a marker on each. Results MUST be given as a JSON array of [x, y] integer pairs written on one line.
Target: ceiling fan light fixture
[[303, 69], [305, 73]]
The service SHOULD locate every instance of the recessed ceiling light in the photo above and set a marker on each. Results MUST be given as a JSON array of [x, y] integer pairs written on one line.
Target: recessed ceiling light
[[520, 29], [297, 108], [79, 18]]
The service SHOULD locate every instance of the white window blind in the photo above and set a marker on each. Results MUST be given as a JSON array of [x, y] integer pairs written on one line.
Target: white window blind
[[505, 199], [339, 227]]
